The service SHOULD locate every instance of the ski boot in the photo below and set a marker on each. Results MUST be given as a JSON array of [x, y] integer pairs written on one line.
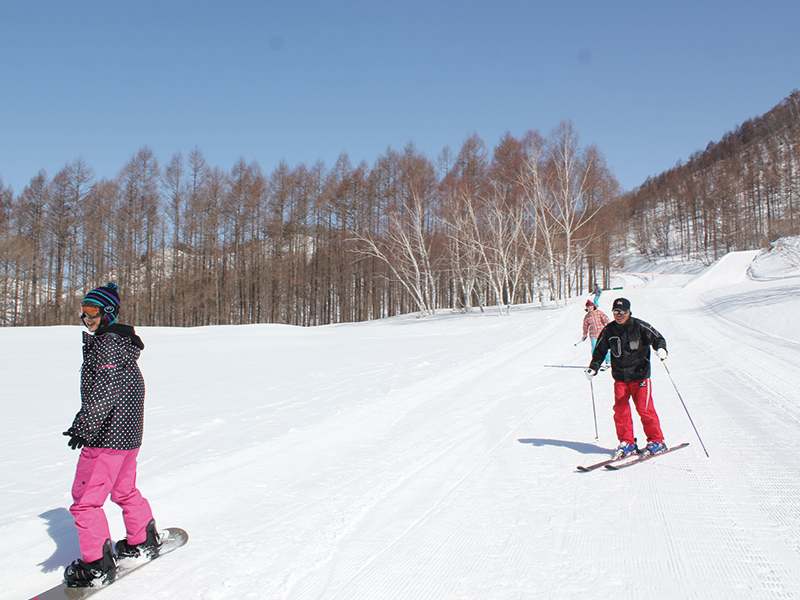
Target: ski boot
[[149, 548], [92, 574], [625, 449], [654, 448]]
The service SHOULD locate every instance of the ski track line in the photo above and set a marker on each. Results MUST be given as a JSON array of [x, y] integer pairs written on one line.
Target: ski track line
[[416, 524], [713, 303], [518, 350], [498, 553], [475, 370], [766, 481], [433, 571], [454, 536], [761, 494], [348, 522], [776, 356], [733, 557], [521, 350]]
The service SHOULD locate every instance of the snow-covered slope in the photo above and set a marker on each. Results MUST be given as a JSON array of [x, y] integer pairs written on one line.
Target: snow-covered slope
[[435, 458]]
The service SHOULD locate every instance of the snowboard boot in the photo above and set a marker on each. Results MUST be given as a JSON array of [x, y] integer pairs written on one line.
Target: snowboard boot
[[149, 548], [95, 573]]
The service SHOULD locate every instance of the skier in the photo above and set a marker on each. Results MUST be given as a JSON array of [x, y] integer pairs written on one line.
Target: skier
[[108, 428], [597, 291], [629, 339], [593, 323]]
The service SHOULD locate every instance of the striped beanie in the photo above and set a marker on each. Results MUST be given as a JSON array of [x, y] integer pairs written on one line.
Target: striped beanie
[[106, 297]]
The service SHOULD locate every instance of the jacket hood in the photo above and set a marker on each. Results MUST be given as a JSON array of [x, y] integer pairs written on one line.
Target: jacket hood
[[126, 331]]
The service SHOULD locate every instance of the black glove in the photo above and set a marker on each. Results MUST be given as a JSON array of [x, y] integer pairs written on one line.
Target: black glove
[[75, 441]]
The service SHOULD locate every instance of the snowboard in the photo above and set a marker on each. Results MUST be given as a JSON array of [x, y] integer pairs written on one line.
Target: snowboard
[[172, 538]]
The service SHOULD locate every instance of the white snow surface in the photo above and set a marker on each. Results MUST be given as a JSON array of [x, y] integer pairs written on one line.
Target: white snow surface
[[421, 458]]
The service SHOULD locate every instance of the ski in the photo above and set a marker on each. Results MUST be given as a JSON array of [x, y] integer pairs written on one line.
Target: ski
[[171, 539], [641, 459], [603, 463]]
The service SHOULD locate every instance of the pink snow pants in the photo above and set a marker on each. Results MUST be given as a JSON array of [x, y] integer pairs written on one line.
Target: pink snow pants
[[100, 472], [642, 395]]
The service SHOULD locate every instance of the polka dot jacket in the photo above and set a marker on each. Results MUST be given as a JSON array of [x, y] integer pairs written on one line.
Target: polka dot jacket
[[112, 390]]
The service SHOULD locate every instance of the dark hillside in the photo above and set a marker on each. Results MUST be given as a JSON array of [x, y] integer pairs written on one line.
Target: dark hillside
[[739, 193]]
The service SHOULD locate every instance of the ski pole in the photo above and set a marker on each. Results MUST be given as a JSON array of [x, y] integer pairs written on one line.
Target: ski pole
[[594, 411], [686, 409]]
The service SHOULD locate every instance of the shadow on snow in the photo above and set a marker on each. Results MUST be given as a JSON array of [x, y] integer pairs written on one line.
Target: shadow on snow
[[581, 447], [61, 528]]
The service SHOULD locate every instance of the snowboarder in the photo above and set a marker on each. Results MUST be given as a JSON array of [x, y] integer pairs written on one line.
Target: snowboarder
[[597, 291], [629, 339], [108, 428], [593, 323]]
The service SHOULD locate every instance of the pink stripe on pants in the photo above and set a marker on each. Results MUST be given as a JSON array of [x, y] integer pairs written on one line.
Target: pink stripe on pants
[[100, 472]]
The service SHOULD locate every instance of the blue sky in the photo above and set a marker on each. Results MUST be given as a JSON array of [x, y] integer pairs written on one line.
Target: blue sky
[[648, 82]]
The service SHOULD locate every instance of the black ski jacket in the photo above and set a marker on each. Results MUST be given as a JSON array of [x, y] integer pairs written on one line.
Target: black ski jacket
[[112, 390], [630, 345]]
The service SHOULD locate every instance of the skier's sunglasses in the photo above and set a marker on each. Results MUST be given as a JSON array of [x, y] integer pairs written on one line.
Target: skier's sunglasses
[[619, 311], [90, 311]]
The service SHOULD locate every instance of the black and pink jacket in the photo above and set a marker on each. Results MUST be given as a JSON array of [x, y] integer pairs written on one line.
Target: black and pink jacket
[[112, 390]]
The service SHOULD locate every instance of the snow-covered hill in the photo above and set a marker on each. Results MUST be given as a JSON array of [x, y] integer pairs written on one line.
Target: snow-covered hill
[[435, 458]]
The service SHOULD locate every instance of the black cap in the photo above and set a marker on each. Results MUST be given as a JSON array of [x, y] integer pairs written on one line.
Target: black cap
[[622, 304]]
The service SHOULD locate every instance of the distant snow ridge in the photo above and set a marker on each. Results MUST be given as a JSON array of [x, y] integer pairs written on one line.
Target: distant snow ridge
[[780, 261], [731, 269]]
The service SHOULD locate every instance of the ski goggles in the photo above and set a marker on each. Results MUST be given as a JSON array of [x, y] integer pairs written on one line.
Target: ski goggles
[[90, 311]]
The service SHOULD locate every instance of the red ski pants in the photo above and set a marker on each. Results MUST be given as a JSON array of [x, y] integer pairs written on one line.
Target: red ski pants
[[100, 472], [642, 395]]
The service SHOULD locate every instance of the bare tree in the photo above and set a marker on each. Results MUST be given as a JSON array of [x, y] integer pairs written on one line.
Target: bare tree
[[175, 188], [404, 248], [61, 218], [405, 238], [490, 230], [7, 315], [137, 228], [33, 249], [557, 183]]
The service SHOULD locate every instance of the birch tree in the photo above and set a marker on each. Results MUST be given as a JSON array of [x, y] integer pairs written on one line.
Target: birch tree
[[557, 181], [406, 236]]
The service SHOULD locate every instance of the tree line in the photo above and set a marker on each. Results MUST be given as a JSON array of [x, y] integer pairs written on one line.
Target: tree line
[[192, 244], [739, 193], [536, 218]]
